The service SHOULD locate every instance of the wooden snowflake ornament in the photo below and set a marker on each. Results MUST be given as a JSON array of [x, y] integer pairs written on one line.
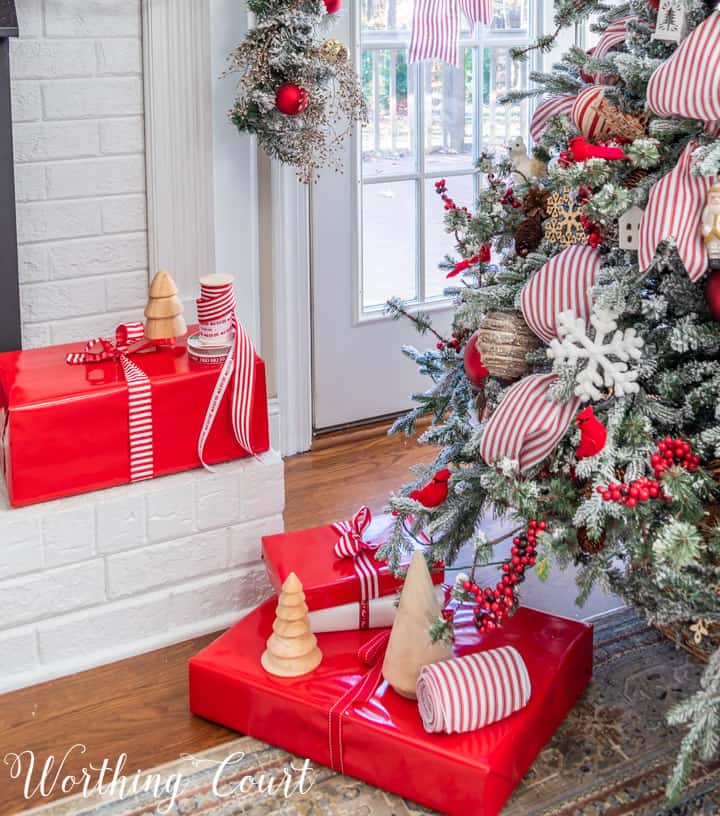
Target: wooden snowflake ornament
[[563, 225]]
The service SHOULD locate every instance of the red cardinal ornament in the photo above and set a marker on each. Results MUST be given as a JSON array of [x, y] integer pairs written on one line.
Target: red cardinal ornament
[[475, 370], [435, 492], [333, 6], [291, 99], [712, 292], [593, 434], [581, 151]]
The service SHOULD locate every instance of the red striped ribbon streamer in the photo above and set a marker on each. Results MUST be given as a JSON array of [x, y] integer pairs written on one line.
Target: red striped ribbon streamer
[[351, 545], [564, 282], [673, 212], [435, 29], [217, 303], [613, 35], [101, 349], [554, 106], [687, 83], [470, 692]]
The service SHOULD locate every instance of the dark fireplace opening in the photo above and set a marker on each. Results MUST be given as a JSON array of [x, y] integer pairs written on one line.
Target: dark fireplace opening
[[10, 330]]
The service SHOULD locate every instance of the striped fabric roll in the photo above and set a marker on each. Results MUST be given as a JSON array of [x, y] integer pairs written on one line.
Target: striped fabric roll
[[613, 35], [687, 83], [564, 282], [554, 106], [456, 696], [673, 212], [527, 426], [587, 116], [436, 27]]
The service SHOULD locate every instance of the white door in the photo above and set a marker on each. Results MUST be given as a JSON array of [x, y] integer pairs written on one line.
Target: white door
[[377, 229]]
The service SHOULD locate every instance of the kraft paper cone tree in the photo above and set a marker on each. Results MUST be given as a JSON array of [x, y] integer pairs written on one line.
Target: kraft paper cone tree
[[164, 311], [410, 646], [292, 648]]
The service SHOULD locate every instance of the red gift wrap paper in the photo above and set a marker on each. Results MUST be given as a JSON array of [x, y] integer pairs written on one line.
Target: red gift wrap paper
[[383, 740], [64, 428]]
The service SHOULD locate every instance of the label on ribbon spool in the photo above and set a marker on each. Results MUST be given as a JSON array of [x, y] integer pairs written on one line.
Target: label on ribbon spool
[[215, 329]]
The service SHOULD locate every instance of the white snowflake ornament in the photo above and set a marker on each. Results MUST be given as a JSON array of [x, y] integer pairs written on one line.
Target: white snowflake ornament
[[607, 354]]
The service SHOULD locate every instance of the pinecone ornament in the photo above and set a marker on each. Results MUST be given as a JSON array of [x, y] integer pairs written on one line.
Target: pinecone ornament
[[528, 237], [589, 545]]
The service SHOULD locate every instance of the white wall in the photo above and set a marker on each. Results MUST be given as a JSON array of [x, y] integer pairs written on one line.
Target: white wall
[[80, 171]]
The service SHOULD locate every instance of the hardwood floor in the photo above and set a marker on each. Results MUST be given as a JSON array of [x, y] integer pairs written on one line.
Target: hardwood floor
[[139, 706]]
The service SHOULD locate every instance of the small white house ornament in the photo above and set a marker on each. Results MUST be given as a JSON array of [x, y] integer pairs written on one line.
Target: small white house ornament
[[671, 23], [629, 228]]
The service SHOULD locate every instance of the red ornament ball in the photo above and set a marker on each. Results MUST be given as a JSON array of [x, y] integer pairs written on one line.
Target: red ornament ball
[[333, 6], [476, 372], [291, 99], [712, 292]]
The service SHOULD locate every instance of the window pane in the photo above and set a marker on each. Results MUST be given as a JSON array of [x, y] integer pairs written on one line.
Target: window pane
[[389, 242], [438, 243], [449, 116], [389, 88], [502, 123], [386, 16], [510, 15]]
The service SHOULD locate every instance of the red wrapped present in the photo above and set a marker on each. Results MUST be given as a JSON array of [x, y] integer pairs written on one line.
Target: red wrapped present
[[345, 716], [336, 563], [66, 429]]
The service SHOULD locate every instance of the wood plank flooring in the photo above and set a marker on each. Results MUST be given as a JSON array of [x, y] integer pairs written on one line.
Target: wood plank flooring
[[139, 706]]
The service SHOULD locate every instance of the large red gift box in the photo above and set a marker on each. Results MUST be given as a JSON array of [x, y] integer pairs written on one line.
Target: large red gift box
[[383, 740], [328, 580], [64, 428]]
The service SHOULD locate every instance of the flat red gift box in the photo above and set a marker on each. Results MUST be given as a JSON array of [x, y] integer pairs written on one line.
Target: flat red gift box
[[383, 740], [328, 580], [65, 429]]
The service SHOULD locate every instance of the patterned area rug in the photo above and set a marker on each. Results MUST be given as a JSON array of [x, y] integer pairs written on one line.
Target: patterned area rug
[[611, 757]]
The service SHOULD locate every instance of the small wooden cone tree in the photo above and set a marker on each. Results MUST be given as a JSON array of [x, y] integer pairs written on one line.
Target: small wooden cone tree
[[164, 311], [410, 646], [292, 648]]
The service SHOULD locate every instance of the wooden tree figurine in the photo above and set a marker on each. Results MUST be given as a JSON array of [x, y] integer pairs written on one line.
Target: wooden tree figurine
[[164, 311], [292, 648], [410, 646]]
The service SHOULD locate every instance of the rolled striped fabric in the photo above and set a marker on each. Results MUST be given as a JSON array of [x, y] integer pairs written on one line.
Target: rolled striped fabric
[[613, 35], [435, 28], [673, 212], [686, 84], [554, 106], [467, 693], [586, 113], [564, 282]]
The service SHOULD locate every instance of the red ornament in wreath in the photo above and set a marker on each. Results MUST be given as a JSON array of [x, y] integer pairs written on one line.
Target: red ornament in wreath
[[291, 99], [712, 293], [333, 6]]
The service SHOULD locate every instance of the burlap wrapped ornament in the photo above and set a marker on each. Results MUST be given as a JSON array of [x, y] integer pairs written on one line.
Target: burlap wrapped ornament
[[687, 83], [504, 341]]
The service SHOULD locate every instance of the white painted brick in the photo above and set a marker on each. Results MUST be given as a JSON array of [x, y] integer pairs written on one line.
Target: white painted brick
[[42, 59], [262, 498], [97, 177], [83, 328], [55, 140], [124, 214], [20, 543], [29, 182], [68, 535], [125, 135], [52, 301], [26, 101], [50, 221], [35, 335], [32, 261], [38, 596], [127, 291], [18, 650], [120, 523], [170, 512], [165, 564], [97, 631], [30, 18], [218, 501], [245, 543], [119, 56], [97, 256], [92, 18], [92, 98]]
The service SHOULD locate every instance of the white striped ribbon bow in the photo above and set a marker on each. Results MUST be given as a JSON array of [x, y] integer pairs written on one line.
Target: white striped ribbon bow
[[435, 29], [350, 544], [470, 692], [217, 303], [142, 465]]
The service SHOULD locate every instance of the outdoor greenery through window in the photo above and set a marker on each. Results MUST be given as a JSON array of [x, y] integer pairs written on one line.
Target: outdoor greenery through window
[[428, 121]]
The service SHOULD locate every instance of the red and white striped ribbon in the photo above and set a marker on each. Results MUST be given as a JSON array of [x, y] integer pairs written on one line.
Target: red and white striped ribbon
[[435, 28], [673, 212], [142, 465], [564, 282], [351, 545], [470, 692], [217, 303], [554, 106], [613, 35], [587, 116], [527, 425], [687, 84]]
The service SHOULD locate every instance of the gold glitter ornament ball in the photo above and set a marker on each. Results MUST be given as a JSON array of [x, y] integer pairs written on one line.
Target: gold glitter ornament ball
[[334, 51]]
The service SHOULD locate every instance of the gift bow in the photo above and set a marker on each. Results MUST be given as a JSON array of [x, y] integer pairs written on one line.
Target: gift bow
[[101, 349], [351, 544], [435, 30]]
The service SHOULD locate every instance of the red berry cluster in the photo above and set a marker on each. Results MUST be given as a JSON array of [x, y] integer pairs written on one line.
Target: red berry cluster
[[508, 198], [673, 451], [441, 190], [641, 490], [455, 343], [492, 605], [592, 228]]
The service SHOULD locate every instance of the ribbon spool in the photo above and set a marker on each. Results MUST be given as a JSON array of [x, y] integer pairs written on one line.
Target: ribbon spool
[[215, 307]]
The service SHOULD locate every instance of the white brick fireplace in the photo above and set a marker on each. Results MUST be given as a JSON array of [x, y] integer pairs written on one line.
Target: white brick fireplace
[[125, 164]]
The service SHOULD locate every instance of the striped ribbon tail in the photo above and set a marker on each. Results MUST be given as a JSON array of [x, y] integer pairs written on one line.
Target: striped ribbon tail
[[435, 28], [470, 692], [613, 35], [350, 544], [673, 212], [142, 463], [554, 106]]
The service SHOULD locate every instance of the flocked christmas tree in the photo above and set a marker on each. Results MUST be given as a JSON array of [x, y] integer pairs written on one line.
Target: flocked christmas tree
[[579, 390]]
